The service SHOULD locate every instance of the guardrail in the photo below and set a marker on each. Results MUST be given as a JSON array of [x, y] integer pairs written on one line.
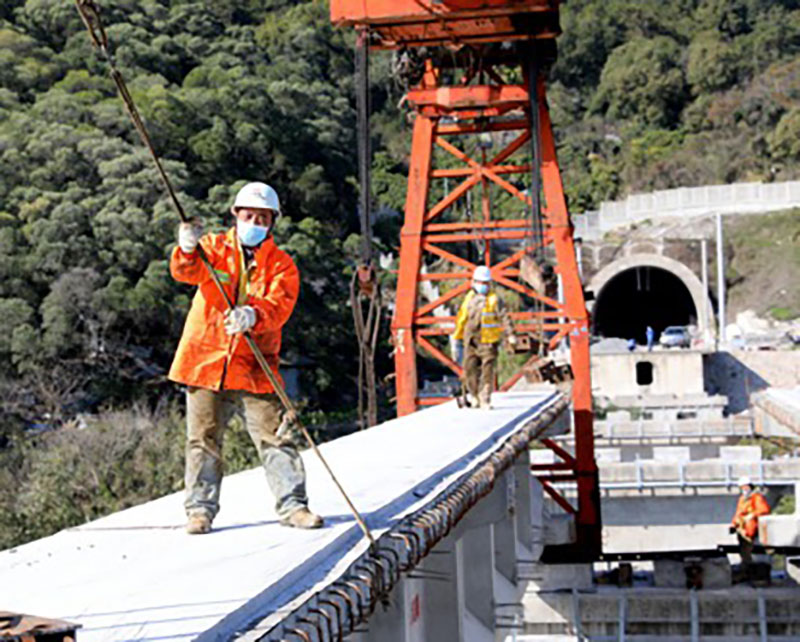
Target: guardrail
[[736, 198], [678, 429], [763, 473]]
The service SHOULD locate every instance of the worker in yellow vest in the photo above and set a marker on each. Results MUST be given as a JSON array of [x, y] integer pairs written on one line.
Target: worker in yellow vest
[[480, 326]]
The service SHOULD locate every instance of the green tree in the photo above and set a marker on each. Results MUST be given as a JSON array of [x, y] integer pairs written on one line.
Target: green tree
[[643, 81], [713, 63]]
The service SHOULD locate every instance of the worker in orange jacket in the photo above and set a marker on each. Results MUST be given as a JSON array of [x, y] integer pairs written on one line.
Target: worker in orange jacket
[[219, 369], [750, 507]]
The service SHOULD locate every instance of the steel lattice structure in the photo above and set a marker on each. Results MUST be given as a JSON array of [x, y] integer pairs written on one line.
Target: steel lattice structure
[[462, 92]]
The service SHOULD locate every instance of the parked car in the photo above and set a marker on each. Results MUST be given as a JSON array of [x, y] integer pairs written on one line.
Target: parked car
[[675, 336]]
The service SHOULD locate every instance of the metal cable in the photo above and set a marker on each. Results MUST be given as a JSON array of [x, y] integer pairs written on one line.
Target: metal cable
[[364, 286], [90, 14], [537, 228]]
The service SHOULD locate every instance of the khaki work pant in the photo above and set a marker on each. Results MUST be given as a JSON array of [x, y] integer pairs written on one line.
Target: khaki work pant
[[207, 415], [480, 360]]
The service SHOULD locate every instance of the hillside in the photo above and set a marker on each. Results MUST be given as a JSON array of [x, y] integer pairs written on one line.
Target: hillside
[[763, 271]]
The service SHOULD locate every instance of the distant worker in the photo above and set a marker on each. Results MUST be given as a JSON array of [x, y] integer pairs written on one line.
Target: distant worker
[[480, 325], [217, 365], [651, 336], [631, 345], [751, 506]]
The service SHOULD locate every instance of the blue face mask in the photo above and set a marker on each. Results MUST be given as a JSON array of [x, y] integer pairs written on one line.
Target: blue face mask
[[251, 235], [481, 288]]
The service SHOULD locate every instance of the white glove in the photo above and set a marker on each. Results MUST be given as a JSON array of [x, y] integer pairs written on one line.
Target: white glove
[[240, 319], [189, 236]]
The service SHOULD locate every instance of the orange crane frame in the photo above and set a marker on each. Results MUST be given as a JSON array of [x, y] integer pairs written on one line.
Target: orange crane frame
[[443, 113]]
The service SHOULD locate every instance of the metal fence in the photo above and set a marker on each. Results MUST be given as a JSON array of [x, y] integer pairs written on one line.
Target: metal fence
[[736, 198]]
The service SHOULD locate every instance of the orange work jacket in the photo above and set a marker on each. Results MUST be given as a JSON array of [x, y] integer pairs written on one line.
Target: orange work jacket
[[754, 505], [209, 358]]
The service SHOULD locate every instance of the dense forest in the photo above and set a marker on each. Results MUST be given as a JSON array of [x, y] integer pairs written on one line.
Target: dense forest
[[645, 94]]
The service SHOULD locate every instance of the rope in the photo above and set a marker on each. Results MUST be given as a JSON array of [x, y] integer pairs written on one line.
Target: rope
[[364, 287], [90, 14], [367, 333], [537, 230]]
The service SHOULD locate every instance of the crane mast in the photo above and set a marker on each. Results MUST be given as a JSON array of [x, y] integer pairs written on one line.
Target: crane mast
[[476, 71]]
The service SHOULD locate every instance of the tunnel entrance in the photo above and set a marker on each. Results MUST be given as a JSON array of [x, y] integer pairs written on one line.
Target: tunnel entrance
[[641, 296]]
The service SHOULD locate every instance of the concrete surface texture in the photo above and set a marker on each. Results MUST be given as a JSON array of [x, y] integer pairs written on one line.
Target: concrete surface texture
[[738, 374], [137, 575], [735, 614], [781, 530], [660, 372], [777, 412], [468, 588]]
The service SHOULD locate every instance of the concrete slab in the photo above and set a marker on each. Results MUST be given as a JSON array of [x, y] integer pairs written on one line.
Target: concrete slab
[[137, 575], [779, 530], [740, 453], [608, 455], [777, 412], [668, 373], [731, 614], [556, 577], [672, 453], [559, 529]]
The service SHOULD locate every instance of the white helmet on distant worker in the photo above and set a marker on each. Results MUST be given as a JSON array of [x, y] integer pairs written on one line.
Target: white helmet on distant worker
[[744, 481], [482, 273], [258, 195]]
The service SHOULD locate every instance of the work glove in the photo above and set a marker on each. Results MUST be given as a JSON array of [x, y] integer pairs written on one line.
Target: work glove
[[458, 351], [731, 529], [511, 342], [240, 319], [189, 236]]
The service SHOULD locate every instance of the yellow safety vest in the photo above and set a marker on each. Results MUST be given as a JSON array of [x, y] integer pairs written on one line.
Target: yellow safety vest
[[491, 324]]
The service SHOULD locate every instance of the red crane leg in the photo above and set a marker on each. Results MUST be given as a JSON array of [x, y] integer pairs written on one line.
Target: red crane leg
[[405, 354], [560, 230]]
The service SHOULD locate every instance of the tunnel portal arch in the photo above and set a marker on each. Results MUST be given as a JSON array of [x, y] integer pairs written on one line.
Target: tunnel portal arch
[[648, 289]]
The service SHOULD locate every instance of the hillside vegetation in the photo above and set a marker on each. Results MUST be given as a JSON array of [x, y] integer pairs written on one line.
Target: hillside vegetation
[[645, 94], [763, 270]]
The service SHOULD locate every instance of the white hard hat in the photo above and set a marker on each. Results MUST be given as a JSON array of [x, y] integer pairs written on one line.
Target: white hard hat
[[258, 195], [744, 481], [482, 273]]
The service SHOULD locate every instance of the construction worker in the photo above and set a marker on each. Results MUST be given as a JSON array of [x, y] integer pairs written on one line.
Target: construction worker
[[750, 507], [480, 326], [218, 367]]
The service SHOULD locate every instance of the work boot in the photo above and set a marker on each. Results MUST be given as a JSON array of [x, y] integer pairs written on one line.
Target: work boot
[[472, 400], [198, 524], [485, 403], [302, 518]]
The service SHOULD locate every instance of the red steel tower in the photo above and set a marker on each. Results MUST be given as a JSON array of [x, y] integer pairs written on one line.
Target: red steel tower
[[476, 68]]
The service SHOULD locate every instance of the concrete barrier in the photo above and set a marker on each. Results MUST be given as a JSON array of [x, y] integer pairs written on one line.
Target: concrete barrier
[[682, 202], [781, 530]]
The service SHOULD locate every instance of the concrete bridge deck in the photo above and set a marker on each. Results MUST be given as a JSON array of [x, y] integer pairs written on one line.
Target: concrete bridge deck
[[137, 575]]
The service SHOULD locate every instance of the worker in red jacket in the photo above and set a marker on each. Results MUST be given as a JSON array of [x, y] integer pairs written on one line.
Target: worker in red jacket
[[750, 507], [218, 367]]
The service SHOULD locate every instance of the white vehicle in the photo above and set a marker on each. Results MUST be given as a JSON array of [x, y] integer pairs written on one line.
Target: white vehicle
[[675, 336]]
